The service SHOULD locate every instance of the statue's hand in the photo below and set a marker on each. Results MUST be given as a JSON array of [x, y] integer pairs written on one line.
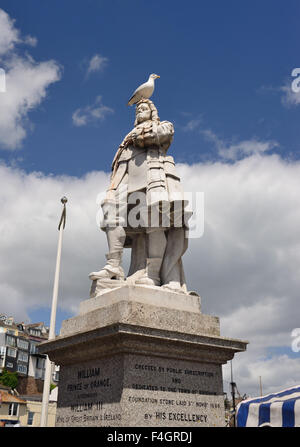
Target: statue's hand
[[150, 138], [143, 136], [137, 138]]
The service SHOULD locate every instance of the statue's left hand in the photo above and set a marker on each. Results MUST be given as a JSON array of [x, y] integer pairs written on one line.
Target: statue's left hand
[[150, 138]]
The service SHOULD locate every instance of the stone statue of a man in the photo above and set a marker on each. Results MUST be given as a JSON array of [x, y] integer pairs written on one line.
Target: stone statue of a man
[[144, 209]]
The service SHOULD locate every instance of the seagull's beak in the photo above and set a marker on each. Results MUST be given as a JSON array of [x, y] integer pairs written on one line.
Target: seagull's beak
[[157, 76]]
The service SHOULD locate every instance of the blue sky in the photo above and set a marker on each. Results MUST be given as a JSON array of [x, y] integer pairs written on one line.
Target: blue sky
[[225, 83], [221, 62]]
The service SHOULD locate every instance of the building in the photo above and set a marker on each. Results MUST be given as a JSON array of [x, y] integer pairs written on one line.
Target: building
[[14, 347], [19, 353], [24, 410], [34, 411], [12, 408]]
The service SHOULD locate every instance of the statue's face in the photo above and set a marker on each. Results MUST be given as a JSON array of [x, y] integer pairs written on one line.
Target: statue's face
[[143, 112]]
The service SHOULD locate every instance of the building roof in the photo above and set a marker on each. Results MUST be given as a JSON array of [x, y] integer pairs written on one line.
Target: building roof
[[4, 387], [40, 324], [9, 326], [10, 398], [32, 397], [23, 330], [44, 334]]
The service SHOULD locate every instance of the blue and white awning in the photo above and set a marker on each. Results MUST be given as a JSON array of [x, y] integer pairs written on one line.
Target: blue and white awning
[[278, 410]]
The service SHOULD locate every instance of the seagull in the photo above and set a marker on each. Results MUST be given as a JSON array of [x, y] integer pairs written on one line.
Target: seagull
[[144, 91]]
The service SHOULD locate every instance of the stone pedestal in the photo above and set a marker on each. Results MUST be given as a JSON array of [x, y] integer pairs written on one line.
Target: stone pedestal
[[141, 356]]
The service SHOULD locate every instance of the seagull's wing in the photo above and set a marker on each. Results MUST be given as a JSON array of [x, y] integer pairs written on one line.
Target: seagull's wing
[[131, 100], [137, 94]]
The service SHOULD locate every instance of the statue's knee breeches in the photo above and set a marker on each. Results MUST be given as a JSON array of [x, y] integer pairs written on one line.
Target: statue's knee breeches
[[114, 214]]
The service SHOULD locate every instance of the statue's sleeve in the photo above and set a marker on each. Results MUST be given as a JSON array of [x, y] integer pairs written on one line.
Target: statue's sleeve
[[165, 132], [160, 134]]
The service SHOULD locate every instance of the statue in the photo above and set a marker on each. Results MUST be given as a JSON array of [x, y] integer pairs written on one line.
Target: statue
[[144, 209]]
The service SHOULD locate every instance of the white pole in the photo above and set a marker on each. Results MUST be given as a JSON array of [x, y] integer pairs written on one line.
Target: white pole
[[260, 386], [48, 369]]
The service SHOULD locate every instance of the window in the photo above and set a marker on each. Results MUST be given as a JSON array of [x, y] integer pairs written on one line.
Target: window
[[10, 332], [11, 352], [36, 332], [40, 363], [2, 351], [22, 368], [11, 341], [55, 376], [23, 344], [9, 365], [13, 409], [39, 374], [30, 418], [23, 356], [33, 348]]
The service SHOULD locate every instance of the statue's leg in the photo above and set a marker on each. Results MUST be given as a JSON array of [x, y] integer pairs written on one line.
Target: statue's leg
[[172, 270], [112, 270], [156, 244], [138, 257], [115, 238], [114, 208]]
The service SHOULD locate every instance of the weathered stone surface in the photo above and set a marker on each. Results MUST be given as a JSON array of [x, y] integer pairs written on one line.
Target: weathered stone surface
[[133, 390], [145, 208], [127, 362], [143, 306], [155, 296]]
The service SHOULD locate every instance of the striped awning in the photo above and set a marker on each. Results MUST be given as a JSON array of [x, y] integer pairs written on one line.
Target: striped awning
[[280, 409]]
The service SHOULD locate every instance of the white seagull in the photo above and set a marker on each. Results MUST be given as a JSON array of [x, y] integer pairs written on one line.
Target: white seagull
[[143, 91]]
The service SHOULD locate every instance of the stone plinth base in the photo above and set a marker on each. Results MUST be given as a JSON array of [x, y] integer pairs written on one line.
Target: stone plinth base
[[138, 356]]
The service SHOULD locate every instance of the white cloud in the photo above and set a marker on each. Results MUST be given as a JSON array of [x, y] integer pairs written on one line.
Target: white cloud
[[26, 87], [289, 98], [230, 150], [192, 124], [246, 148], [234, 151], [30, 213], [245, 267], [277, 373], [9, 35], [30, 40], [96, 63], [289, 90], [26, 84], [91, 114]]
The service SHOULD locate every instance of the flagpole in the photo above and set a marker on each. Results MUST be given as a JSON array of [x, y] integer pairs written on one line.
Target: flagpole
[[48, 368], [260, 386]]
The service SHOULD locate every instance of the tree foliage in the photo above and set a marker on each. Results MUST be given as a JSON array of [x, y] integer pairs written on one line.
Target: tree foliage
[[9, 379]]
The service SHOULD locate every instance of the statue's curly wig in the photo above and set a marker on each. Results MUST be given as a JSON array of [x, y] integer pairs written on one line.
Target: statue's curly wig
[[154, 112]]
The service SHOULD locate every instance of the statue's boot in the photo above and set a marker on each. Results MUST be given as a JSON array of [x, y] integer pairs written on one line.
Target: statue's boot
[[112, 269], [173, 286], [151, 276]]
